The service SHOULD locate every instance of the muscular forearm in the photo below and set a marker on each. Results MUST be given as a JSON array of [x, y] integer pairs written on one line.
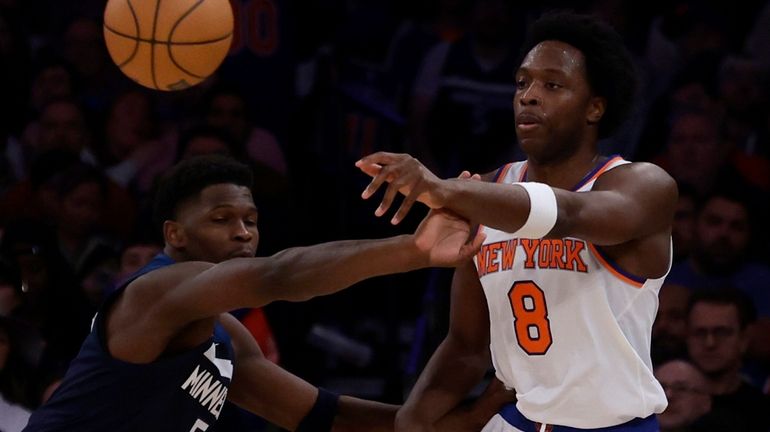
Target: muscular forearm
[[301, 273], [503, 207], [448, 377], [354, 415]]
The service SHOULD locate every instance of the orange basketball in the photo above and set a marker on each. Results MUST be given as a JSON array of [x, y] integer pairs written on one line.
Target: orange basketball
[[168, 44]]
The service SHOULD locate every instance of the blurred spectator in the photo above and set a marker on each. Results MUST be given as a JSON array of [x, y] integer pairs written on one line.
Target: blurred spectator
[[428, 23], [461, 113], [61, 125], [691, 89], [695, 152], [38, 197], [81, 197], [669, 330], [689, 400], [721, 256], [35, 198], [721, 249], [203, 139], [53, 79], [84, 48], [227, 109], [98, 274], [718, 338], [743, 91], [136, 146], [135, 255]]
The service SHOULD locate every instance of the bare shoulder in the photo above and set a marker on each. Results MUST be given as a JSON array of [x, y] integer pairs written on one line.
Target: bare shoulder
[[148, 292], [142, 323], [643, 177], [159, 282]]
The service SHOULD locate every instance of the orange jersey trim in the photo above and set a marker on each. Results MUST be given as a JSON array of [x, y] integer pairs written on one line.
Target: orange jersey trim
[[600, 171]]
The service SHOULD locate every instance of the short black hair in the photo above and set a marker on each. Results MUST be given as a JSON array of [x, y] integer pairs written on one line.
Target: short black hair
[[609, 68], [747, 312], [188, 178]]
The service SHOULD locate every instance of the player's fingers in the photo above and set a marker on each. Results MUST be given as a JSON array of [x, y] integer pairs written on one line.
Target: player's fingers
[[406, 205], [387, 200], [375, 184], [464, 175], [476, 177], [381, 158], [370, 169], [473, 246]]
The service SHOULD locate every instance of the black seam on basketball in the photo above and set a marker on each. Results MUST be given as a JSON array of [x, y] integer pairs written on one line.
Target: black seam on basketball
[[136, 26], [161, 42], [153, 43], [171, 37]]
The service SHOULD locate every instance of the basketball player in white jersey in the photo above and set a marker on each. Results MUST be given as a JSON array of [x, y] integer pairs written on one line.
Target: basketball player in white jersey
[[577, 248]]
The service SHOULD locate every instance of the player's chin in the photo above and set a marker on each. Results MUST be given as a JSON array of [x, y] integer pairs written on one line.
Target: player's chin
[[532, 143]]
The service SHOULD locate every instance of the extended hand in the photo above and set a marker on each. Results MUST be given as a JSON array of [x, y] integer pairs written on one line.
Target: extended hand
[[404, 174], [446, 238]]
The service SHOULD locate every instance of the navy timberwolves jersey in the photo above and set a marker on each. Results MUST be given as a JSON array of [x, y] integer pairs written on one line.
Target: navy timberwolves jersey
[[184, 392]]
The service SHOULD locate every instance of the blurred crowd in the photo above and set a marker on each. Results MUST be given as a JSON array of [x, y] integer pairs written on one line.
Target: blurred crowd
[[307, 89]]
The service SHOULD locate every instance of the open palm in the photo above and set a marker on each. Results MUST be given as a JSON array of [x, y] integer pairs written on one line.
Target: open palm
[[446, 238]]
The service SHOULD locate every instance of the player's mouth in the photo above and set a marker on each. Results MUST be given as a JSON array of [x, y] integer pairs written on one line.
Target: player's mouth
[[242, 253], [527, 121]]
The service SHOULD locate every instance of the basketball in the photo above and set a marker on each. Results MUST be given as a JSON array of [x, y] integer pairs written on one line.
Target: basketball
[[168, 45]]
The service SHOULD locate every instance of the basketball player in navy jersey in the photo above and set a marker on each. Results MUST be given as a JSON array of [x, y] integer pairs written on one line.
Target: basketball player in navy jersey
[[164, 355], [576, 250]]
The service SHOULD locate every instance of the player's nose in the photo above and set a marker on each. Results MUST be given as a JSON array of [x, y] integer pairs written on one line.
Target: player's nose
[[242, 232]]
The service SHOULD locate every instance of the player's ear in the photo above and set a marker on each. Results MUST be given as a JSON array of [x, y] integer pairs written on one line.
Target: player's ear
[[596, 108], [173, 233]]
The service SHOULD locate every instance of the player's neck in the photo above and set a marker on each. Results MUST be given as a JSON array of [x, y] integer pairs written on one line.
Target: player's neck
[[175, 254], [564, 173]]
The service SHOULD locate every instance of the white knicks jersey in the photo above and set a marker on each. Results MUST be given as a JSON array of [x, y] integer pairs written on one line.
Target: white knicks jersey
[[570, 331]]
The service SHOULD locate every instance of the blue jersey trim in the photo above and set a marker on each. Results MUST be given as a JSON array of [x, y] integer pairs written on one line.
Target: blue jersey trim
[[515, 418], [617, 267]]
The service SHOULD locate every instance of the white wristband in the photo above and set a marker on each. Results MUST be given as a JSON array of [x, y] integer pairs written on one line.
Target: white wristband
[[542, 211]]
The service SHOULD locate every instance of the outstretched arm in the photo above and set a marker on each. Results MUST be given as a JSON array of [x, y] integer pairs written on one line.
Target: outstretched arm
[[460, 361], [164, 303], [442, 239], [626, 203]]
